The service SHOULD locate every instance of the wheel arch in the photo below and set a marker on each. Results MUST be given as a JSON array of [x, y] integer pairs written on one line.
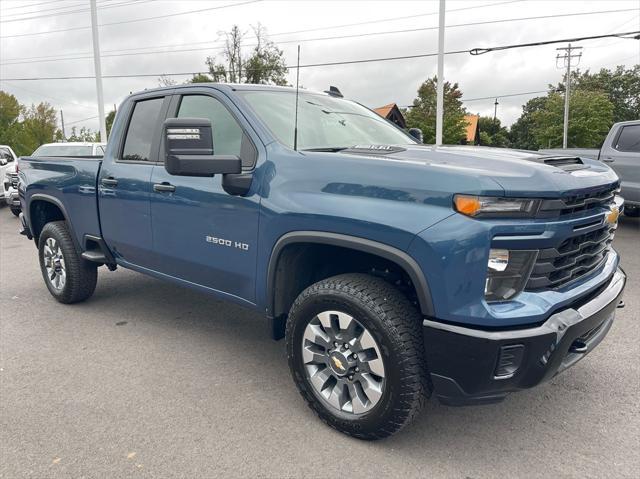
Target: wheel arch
[[43, 209], [277, 306]]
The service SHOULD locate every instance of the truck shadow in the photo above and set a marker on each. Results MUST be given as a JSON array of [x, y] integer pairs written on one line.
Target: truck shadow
[[479, 432]]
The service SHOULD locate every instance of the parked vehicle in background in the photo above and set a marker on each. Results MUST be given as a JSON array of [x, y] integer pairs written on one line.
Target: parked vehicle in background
[[71, 149], [621, 150], [392, 268], [8, 195], [10, 185]]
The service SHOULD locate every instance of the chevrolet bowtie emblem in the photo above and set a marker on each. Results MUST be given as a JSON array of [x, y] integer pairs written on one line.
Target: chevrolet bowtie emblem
[[612, 216], [338, 363]]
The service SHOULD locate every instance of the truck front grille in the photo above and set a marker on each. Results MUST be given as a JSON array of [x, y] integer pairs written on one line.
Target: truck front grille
[[13, 180], [577, 256], [576, 203]]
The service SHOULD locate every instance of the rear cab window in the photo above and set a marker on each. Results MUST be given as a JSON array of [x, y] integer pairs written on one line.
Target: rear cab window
[[139, 138], [629, 139]]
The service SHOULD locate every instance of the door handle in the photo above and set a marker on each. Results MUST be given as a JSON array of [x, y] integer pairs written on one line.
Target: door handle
[[609, 160], [164, 187], [109, 181]]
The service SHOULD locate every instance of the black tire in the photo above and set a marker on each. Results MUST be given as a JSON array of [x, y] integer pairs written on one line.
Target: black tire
[[632, 211], [15, 211], [396, 326], [81, 275]]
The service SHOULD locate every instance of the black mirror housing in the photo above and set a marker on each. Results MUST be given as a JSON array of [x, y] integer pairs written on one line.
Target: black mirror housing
[[189, 149], [416, 133]]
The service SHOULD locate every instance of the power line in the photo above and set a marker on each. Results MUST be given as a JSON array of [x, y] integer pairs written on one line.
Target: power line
[[505, 96], [136, 20], [30, 5], [23, 61], [64, 10], [627, 35], [277, 34], [347, 62]]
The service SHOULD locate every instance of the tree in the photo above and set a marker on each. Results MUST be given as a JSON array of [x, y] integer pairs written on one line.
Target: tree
[[423, 113], [165, 80], [492, 133], [84, 134], [621, 86], [591, 116], [38, 126], [9, 114], [111, 116], [265, 64], [521, 132]]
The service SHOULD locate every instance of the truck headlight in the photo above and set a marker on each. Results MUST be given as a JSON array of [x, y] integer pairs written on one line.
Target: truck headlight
[[507, 273], [495, 207]]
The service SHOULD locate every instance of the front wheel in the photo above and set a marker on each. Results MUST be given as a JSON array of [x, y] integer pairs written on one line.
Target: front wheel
[[15, 211], [355, 351], [69, 278]]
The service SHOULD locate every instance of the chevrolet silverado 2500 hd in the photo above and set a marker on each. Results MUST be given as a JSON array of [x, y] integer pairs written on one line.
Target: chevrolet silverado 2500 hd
[[393, 269]]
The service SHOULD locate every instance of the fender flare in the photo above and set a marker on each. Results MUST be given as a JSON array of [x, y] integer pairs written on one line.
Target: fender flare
[[402, 259], [55, 201]]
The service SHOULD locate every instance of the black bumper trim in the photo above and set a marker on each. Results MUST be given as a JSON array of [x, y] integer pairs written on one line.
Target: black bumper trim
[[462, 360]]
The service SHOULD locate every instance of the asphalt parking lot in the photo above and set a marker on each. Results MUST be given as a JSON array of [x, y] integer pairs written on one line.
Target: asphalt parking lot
[[147, 379]]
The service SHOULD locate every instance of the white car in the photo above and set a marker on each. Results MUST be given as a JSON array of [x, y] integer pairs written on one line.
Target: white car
[[71, 149], [7, 167]]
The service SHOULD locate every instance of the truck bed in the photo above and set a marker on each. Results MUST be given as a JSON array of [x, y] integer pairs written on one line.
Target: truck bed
[[71, 182]]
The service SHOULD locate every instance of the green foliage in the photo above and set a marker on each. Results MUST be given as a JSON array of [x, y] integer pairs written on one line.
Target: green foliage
[[10, 111], [591, 116], [111, 116], [492, 133], [621, 86], [265, 64], [598, 100], [423, 113], [84, 134]]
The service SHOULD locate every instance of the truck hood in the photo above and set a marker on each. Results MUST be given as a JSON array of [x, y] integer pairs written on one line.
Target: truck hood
[[518, 172]]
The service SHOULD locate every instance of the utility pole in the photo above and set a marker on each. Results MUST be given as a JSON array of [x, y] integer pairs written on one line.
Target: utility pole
[[98, 69], [440, 86], [64, 135], [567, 86], [495, 110]]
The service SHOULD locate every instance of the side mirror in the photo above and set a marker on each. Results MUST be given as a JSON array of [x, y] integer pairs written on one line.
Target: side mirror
[[416, 133], [3, 162], [189, 149]]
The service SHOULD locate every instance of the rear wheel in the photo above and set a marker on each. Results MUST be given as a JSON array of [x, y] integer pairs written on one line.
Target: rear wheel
[[69, 278], [355, 350]]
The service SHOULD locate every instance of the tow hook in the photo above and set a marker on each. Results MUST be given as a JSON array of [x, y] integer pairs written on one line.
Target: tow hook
[[620, 304], [578, 346]]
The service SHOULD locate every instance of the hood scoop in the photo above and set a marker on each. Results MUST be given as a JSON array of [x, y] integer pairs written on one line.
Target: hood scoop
[[566, 163]]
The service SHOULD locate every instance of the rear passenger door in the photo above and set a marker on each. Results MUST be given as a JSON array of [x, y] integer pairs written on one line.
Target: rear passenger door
[[202, 234], [124, 185]]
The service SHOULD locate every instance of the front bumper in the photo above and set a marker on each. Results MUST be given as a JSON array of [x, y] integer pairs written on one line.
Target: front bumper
[[471, 366]]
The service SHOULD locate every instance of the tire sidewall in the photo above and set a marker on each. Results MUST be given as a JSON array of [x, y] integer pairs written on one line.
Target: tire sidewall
[[51, 231], [318, 302]]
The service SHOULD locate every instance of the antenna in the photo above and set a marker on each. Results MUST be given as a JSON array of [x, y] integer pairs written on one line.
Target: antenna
[[295, 124]]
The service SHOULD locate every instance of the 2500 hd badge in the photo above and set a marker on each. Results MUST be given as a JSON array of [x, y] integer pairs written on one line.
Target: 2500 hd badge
[[226, 242]]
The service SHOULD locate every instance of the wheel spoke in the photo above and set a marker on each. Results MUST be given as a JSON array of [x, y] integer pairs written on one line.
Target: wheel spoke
[[343, 362]]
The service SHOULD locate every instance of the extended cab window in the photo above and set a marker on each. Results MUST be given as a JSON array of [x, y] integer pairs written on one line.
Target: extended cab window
[[629, 139], [142, 127], [227, 134]]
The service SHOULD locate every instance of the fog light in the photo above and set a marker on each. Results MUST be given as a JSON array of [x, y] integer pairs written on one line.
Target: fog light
[[509, 360], [507, 273]]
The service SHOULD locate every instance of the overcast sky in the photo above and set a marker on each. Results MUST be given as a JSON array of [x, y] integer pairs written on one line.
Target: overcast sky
[[293, 22]]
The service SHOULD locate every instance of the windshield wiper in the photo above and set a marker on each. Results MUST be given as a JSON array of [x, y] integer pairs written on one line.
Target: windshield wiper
[[333, 149]]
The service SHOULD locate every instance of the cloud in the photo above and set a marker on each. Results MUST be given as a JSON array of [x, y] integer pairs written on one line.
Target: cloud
[[373, 84]]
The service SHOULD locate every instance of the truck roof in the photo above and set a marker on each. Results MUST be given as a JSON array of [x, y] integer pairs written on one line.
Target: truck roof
[[231, 87]]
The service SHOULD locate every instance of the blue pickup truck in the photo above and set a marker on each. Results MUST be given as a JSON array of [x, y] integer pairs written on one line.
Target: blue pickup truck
[[393, 269]]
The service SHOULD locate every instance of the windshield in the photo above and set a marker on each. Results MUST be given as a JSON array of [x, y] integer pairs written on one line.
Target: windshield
[[63, 150], [324, 122], [5, 154]]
